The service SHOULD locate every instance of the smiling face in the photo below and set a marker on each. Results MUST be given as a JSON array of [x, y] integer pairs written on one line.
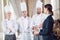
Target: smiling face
[[24, 13], [38, 10], [8, 15]]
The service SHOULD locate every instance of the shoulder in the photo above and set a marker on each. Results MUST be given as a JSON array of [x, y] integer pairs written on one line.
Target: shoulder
[[34, 15], [29, 18], [49, 18], [19, 19], [3, 21]]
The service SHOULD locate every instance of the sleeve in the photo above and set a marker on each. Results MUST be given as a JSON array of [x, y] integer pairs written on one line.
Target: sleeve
[[15, 25], [3, 26], [47, 27], [32, 21], [30, 25], [19, 28]]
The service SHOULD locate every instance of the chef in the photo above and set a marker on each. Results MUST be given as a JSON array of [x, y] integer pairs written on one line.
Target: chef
[[9, 26], [24, 23], [37, 20]]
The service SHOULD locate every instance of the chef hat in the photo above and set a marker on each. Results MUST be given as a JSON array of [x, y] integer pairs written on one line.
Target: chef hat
[[23, 6], [38, 4], [7, 9]]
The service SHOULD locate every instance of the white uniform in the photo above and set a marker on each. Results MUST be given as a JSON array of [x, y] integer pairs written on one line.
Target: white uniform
[[36, 20], [24, 26], [8, 25]]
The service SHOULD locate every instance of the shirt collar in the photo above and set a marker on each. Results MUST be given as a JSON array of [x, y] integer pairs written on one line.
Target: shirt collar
[[24, 18], [7, 19]]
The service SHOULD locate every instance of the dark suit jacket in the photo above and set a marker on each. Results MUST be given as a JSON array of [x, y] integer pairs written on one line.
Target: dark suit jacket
[[47, 30]]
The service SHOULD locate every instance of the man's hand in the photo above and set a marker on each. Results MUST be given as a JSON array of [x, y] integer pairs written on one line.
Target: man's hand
[[36, 33], [33, 28], [39, 26], [10, 29]]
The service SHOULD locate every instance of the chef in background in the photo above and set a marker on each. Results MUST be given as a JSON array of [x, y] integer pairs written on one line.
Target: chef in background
[[24, 23], [9, 26]]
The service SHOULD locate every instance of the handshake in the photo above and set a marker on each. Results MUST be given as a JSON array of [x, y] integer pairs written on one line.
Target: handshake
[[35, 30]]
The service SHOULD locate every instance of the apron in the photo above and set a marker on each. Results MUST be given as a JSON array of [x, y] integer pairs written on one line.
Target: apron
[[10, 37]]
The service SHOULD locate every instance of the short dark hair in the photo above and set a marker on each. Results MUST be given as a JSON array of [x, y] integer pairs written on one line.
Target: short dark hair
[[49, 7]]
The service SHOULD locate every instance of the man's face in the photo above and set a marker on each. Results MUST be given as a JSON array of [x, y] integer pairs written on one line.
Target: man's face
[[24, 13], [8, 15], [38, 10]]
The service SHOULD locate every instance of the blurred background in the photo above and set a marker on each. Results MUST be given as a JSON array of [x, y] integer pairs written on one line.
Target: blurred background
[[15, 8]]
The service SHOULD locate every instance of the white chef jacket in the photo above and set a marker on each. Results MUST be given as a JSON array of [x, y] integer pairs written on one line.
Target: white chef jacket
[[24, 28], [38, 19], [10, 24], [24, 23]]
